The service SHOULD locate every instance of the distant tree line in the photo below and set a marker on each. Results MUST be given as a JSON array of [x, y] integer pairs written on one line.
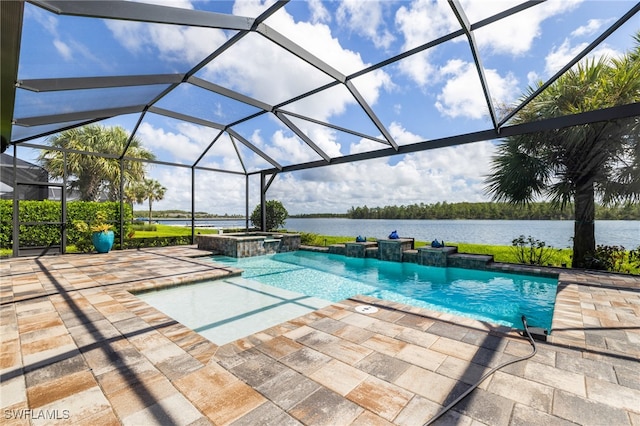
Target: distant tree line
[[489, 210]]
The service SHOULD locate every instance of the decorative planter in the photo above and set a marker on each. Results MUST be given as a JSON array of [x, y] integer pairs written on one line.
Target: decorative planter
[[102, 241]]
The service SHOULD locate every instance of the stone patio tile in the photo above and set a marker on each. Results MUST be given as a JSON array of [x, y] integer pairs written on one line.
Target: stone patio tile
[[628, 377], [203, 351], [422, 357], [225, 405], [162, 352], [614, 395], [288, 388], [10, 354], [52, 390], [174, 410], [43, 333], [587, 367], [128, 375], [384, 344], [525, 415], [77, 406], [339, 377], [457, 369], [455, 348], [305, 360], [367, 418], [178, 366], [382, 398], [521, 390], [346, 351], [485, 340], [555, 377], [140, 395], [428, 384], [353, 333], [318, 340], [267, 414], [258, 370], [38, 374], [328, 325], [106, 357], [325, 408], [586, 412], [451, 331], [30, 323], [486, 407], [12, 392], [382, 366], [415, 322], [386, 328], [417, 412], [199, 384], [417, 337], [359, 320], [49, 354], [279, 347]]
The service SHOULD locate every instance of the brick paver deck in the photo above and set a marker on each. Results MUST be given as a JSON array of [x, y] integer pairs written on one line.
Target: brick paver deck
[[77, 347]]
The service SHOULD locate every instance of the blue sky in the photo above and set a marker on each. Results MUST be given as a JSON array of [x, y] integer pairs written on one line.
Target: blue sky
[[430, 95]]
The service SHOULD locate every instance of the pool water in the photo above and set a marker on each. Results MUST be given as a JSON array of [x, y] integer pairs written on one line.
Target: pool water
[[499, 298], [227, 309]]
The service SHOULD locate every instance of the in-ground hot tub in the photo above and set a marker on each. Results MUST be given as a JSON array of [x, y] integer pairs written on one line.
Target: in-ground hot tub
[[247, 244]]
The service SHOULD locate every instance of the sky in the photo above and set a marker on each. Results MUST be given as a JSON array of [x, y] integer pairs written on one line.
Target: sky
[[430, 95]]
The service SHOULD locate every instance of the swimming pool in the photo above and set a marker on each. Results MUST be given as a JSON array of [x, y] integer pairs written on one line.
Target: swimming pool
[[500, 298]]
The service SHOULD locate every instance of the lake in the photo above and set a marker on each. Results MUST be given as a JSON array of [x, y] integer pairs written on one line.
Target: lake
[[556, 233]]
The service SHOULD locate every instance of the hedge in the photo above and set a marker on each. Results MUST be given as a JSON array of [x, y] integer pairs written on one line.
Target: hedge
[[41, 234]]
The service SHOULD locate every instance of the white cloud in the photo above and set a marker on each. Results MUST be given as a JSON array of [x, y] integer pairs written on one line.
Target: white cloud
[[63, 49], [593, 25], [420, 22], [184, 146], [514, 35], [462, 95], [366, 18], [562, 55], [318, 12]]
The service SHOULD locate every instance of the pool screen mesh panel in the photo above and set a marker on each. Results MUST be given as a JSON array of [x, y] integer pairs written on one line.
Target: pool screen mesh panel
[[193, 90]]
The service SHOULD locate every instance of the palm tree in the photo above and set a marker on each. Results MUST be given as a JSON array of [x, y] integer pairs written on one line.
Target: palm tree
[[92, 175], [578, 163], [153, 191], [134, 193]]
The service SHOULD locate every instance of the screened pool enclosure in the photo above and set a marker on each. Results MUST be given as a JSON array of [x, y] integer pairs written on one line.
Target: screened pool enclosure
[[227, 96]]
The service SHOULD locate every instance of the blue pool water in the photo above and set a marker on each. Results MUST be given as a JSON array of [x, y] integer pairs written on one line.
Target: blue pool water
[[500, 298]]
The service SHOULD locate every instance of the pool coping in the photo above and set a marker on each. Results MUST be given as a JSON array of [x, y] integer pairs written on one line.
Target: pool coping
[[43, 373]]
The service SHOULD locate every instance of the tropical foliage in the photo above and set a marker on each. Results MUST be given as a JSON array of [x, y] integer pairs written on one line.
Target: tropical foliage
[[276, 215], [576, 164], [95, 176]]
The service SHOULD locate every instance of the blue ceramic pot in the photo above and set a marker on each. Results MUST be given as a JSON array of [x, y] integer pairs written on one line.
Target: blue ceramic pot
[[102, 241]]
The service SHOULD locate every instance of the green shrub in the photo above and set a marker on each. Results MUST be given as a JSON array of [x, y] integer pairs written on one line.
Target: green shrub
[[614, 259], [39, 212], [141, 226], [531, 251]]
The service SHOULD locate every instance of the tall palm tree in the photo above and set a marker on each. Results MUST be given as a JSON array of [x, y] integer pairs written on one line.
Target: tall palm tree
[[153, 191], [93, 175], [578, 163]]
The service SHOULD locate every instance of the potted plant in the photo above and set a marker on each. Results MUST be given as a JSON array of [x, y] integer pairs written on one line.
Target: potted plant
[[102, 235]]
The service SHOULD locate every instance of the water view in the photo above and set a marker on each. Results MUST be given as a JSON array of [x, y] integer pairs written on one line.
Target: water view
[[556, 233]]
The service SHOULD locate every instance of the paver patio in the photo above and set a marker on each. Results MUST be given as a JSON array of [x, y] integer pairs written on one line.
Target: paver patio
[[78, 348]]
